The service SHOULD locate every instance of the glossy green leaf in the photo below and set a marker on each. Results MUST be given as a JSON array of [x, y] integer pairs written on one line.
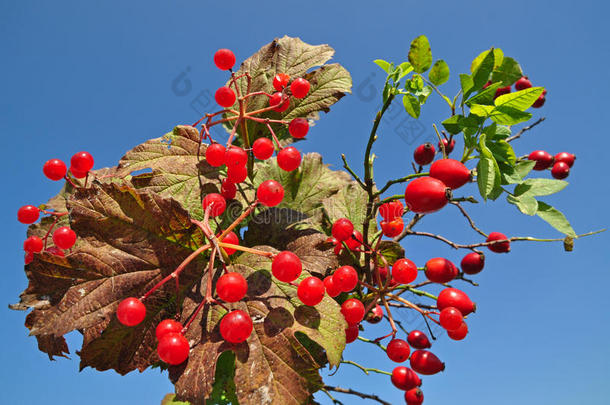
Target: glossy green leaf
[[383, 64], [439, 73], [527, 204], [420, 54], [498, 58], [485, 97], [519, 100], [523, 168], [509, 116], [467, 85], [507, 73], [412, 105], [405, 69], [503, 152], [480, 74], [539, 187], [555, 218]]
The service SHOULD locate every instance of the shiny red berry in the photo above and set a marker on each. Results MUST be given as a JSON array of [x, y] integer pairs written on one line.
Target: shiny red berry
[[418, 340], [300, 87], [451, 172], [460, 333], [424, 154], [425, 195], [216, 202], [331, 288], [345, 278], [263, 148], [426, 363], [82, 162], [228, 189], [501, 247], [237, 174], [298, 127], [355, 241], [404, 271], [279, 101], [560, 170], [224, 59], [289, 159], [501, 91], [280, 81], [33, 244], [231, 287], [54, 169], [398, 350], [414, 396], [452, 297], [473, 263], [543, 159], [233, 240], [173, 348], [404, 378], [311, 291], [523, 83], [28, 214], [225, 97], [286, 266], [391, 210], [448, 144], [131, 311], [351, 333], [451, 318], [566, 158], [215, 155], [235, 156], [77, 174], [539, 101], [64, 237], [392, 228], [167, 326], [376, 315], [440, 270], [342, 229], [353, 311], [236, 326], [270, 193]]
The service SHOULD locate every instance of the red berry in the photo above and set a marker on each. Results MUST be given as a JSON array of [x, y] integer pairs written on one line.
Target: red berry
[[404, 271], [299, 87], [539, 101], [231, 287], [33, 244], [425, 195], [501, 91], [449, 145], [131, 311], [270, 193], [29, 256], [236, 326], [55, 251], [331, 288], [263, 148], [228, 189], [419, 340], [237, 174], [215, 155], [167, 326], [289, 158], [523, 83], [298, 127], [404, 378], [426, 363], [391, 210], [451, 318], [351, 333], [276, 102], [566, 158], [452, 297], [424, 154], [64, 237], [54, 169], [311, 291], [383, 273], [502, 247], [225, 97], [560, 170], [473, 263], [543, 159], [173, 349], [392, 228], [486, 85], [398, 350], [345, 278], [286, 266], [235, 156], [355, 241], [451, 172], [224, 59], [460, 333], [440, 270], [82, 162], [353, 311], [77, 174], [216, 202], [28, 214], [342, 229], [280, 81], [233, 240], [376, 315], [414, 396]]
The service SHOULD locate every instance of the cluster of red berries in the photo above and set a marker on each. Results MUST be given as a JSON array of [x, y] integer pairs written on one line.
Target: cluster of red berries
[[560, 164], [80, 165], [521, 84]]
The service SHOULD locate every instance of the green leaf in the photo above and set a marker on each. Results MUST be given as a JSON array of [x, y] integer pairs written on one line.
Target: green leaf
[[467, 85], [538, 187], [480, 74], [452, 124], [524, 167], [383, 64], [439, 73], [223, 390], [509, 174], [498, 57], [502, 132], [503, 152], [420, 54], [509, 116], [486, 176], [527, 204], [555, 218], [482, 110], [412, 105], [349, 203], [520, 100], [170, 399], [507, 73], [485, 97], [405, 69]]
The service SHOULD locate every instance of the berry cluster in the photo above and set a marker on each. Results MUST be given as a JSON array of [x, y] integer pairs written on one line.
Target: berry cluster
[[560, 164]]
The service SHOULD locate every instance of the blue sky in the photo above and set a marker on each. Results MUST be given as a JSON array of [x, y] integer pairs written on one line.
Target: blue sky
[[98, 76]]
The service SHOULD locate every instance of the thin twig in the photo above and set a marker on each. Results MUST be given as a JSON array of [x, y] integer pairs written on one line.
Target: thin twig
[[356, 393], [527, 128], [472, 224]]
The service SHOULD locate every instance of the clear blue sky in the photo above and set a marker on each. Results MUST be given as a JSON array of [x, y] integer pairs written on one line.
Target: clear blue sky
[[98, 76]]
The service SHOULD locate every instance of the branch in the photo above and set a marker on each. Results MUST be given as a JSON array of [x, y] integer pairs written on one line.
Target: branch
[[365, 370], [356, 393], [350, 171], [518, 134], [401, 180], [472, 225]]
